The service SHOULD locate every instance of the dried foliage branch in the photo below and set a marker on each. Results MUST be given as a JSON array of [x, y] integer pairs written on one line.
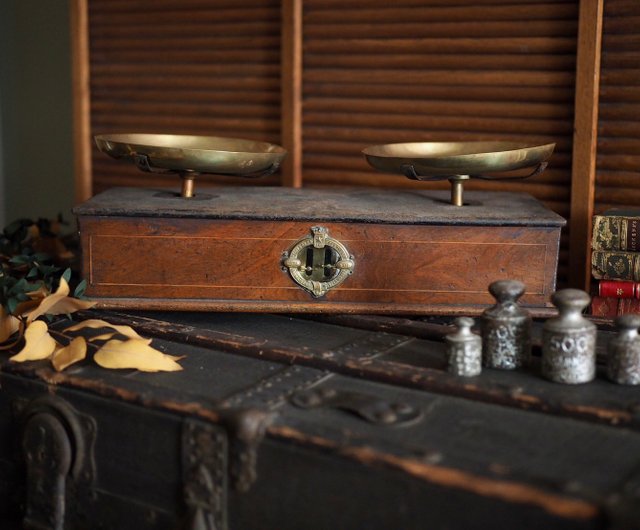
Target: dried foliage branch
[[28, 276]]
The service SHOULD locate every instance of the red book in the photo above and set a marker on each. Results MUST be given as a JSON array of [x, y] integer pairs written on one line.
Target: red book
[[602, 306], [628, 305], [610, 307], [619, 289]]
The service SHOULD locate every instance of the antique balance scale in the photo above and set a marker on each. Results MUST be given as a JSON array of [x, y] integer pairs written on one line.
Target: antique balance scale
[[310, 250]]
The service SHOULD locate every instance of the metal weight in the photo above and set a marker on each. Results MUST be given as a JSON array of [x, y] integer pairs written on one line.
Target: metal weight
[[464, 349], [569, 340], [506, 328], [623, 361]]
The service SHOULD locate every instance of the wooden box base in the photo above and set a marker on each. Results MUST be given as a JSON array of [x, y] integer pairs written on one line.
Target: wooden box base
[[223, 250]]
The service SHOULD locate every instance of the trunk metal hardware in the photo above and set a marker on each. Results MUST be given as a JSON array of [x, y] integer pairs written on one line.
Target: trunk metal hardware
[[57, 444], [367, 407], [204, 474], [317, 262]]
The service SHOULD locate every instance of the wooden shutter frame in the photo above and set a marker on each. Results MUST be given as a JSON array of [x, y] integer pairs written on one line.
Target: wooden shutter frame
[[585, 138], [585, 119], [79, 13]]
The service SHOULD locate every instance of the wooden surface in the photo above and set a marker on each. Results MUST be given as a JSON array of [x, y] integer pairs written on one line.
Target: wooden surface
[[327, 80], [225, 253], [618, 164], [81, 100], [397, 266], [187, 67], [291, 89], [585, 139], [515, 450], [398, 206]]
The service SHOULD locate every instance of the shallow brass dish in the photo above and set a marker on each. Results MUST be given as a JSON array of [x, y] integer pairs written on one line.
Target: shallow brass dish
[[457, 161], [189, 156]]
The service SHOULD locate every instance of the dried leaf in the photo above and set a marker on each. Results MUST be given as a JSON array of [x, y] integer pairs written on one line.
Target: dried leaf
[[104, 336], [95, 323], [39, 293], [59, 303], [74, 352], [8, 325], [38, 343], [135, 353]]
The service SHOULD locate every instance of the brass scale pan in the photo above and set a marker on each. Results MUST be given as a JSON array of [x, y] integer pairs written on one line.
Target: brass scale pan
[[458, 161], [189, 156]]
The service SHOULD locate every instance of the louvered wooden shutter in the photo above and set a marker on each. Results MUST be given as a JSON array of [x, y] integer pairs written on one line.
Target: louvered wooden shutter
[[182, 67], [618, 158], [382, 72], [344, 75]]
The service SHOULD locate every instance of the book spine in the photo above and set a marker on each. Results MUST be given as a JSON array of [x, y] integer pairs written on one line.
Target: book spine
[[618, 289], [608, 307], [606, 265], [603, 306], [628, 305], [616, 233]]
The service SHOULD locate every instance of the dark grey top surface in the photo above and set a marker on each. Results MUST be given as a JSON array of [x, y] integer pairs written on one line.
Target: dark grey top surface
[[357, 205]]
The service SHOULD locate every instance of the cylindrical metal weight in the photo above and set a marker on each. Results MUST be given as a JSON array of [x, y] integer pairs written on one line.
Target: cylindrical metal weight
[[506, 328], [569, 340], [623, 361], [464, 349]]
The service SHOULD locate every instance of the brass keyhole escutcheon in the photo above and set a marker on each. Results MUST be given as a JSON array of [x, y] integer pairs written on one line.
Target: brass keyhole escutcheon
[[318, 262]]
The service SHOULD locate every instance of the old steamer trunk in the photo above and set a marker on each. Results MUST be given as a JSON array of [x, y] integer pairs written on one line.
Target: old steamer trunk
[[279, 249], [287, 423]]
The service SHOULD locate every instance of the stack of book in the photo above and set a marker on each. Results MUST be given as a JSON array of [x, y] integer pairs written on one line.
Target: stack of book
[[615, 263]]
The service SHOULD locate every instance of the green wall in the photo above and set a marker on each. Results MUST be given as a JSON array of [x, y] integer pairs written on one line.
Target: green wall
[[36, 150]]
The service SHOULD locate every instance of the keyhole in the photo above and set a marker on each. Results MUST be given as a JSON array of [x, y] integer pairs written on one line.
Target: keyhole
[[308, 270], [330, 257], [319, 263]]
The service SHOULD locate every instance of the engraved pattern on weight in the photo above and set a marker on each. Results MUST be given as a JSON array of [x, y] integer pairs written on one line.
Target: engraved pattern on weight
[[623, 366], [507, 346], [465, 359], [569, 357]]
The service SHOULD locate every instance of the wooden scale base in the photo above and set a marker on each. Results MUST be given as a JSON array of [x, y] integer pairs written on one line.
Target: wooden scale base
[[272, 249]]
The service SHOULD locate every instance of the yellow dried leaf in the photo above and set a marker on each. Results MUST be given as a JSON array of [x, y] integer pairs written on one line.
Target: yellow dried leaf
[[8, 325], [38, 343], [104, 336], [74, 352], [59, 303], [39, 293], [35, 297], [137, 354], [95, 323], [24, 308]]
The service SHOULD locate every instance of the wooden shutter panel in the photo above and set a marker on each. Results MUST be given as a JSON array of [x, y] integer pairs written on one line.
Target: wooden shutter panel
[[618, 158], [379, 72], [382, 72], [182, 67], [373, 71]]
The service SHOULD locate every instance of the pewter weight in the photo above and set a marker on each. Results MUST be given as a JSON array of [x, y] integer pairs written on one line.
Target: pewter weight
[[464, 349], [623, 362], [506, 328], [569, 340]]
